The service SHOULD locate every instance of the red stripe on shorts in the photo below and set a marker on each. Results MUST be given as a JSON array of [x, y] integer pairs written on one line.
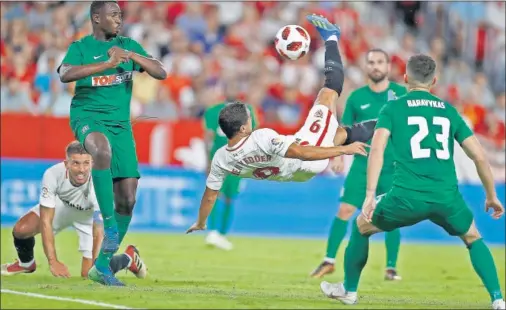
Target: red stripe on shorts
[[325, 129]]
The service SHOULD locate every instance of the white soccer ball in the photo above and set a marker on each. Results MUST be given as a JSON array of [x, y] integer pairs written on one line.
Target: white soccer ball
[[292, 42]]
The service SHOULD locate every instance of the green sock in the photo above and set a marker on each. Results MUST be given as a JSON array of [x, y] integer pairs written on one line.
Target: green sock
[[355, 258], [102, 182], [483, 264], [392, 243], [226, 219], [123, 223], [211, 223], [337, 232]]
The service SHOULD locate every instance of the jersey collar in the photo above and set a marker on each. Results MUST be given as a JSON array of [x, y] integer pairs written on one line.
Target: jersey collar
[[237, 145]]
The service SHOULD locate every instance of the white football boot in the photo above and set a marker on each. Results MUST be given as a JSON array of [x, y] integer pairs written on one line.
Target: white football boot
[[337, 291], [498, 304], [214, 238]]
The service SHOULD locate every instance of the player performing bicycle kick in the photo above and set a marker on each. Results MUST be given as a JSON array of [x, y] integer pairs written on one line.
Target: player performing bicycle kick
[[266, 155]]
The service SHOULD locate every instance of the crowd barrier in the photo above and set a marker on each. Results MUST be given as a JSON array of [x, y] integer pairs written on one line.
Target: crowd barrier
[[168, 200]]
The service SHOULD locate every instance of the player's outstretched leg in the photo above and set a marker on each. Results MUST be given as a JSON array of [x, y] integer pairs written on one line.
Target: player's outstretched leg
[[392, 244], [355, 259], [483, 264]]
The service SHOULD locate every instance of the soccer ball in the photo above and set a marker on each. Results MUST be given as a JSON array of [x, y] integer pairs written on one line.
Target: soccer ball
[[292, 42]]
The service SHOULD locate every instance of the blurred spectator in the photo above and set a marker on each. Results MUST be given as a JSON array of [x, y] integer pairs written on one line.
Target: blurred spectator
[[204, 45], [16, 98]]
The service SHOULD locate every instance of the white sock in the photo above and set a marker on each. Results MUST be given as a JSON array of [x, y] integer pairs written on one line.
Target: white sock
[[26, 265], [329, 260], [332, 38]]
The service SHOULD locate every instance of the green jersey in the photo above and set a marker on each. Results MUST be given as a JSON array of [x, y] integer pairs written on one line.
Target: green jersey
[[211, 124], [423, 128], [365, 104], [105, 95]]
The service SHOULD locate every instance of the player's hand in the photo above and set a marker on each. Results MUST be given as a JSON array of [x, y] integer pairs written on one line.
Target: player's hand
[[117, 56], [195, 227], [59, 269], [337, 164], [368, 208], [495, 205], [355, 148]]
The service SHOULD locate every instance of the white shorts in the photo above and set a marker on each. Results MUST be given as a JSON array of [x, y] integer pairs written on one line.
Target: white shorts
[[82, 221], [319, 129]]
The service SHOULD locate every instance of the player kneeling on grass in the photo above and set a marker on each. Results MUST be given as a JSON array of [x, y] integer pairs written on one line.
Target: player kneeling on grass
[[263, 154], [422, 129], [67, 199]]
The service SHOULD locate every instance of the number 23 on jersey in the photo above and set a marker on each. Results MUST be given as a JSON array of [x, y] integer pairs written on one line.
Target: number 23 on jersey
[[423, 131]]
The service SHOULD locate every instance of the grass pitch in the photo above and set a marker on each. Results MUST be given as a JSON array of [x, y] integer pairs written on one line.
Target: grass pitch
[[258, 273]]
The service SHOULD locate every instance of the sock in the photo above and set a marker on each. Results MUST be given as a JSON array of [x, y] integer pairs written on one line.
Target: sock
[[211, 223], [102, 181], [392, 243], [226, 219], [483, 264], [119, 262], [334, 70], [337, 232], [332, 38], [123, 223], [24, 247], [355, 258]]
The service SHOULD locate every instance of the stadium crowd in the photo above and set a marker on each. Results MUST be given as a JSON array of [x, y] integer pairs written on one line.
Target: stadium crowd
[[207, 45]]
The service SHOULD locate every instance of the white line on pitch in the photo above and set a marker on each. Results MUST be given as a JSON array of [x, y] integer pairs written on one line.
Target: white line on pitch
[[81, 301]]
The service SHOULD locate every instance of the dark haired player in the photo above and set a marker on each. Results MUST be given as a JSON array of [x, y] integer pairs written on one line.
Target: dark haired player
[[423, 129], [265, 155], [363, 104], [67, 198], [102, 64]]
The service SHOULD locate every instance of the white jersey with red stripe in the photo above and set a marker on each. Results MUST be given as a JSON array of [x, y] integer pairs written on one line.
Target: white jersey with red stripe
[[261, 154]]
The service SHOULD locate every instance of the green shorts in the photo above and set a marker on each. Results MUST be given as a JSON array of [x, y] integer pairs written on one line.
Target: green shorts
[[394, 211], [231, 186], [124, 162], [353, 191]]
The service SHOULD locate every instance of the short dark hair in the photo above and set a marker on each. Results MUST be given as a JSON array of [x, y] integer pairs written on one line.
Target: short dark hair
[[421, 69], [75, 147], [232, 117], [378, 50], [97, 5]]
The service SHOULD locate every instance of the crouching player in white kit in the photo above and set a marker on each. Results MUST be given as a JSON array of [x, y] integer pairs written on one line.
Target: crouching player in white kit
[[266, 155], [67, 198]]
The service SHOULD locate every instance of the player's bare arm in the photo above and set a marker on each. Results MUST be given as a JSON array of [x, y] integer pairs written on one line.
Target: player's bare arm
[[69, 73], [98, 236], [311, 153], [57, 268], [206, 205], [374, 166], [476, 153], [152, 66]]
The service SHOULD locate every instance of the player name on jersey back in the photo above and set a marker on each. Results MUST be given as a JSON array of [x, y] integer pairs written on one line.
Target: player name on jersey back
[[56, 184], [425, 103], [258, 156]]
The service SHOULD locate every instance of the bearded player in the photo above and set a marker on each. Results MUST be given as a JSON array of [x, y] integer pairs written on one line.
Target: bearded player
[[265, 155], [363, 104], [219, 223], [67, 198], [423, 129], [102, 64]]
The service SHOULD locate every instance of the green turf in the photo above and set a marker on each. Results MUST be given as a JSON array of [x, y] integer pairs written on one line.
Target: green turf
[[258, 273]]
